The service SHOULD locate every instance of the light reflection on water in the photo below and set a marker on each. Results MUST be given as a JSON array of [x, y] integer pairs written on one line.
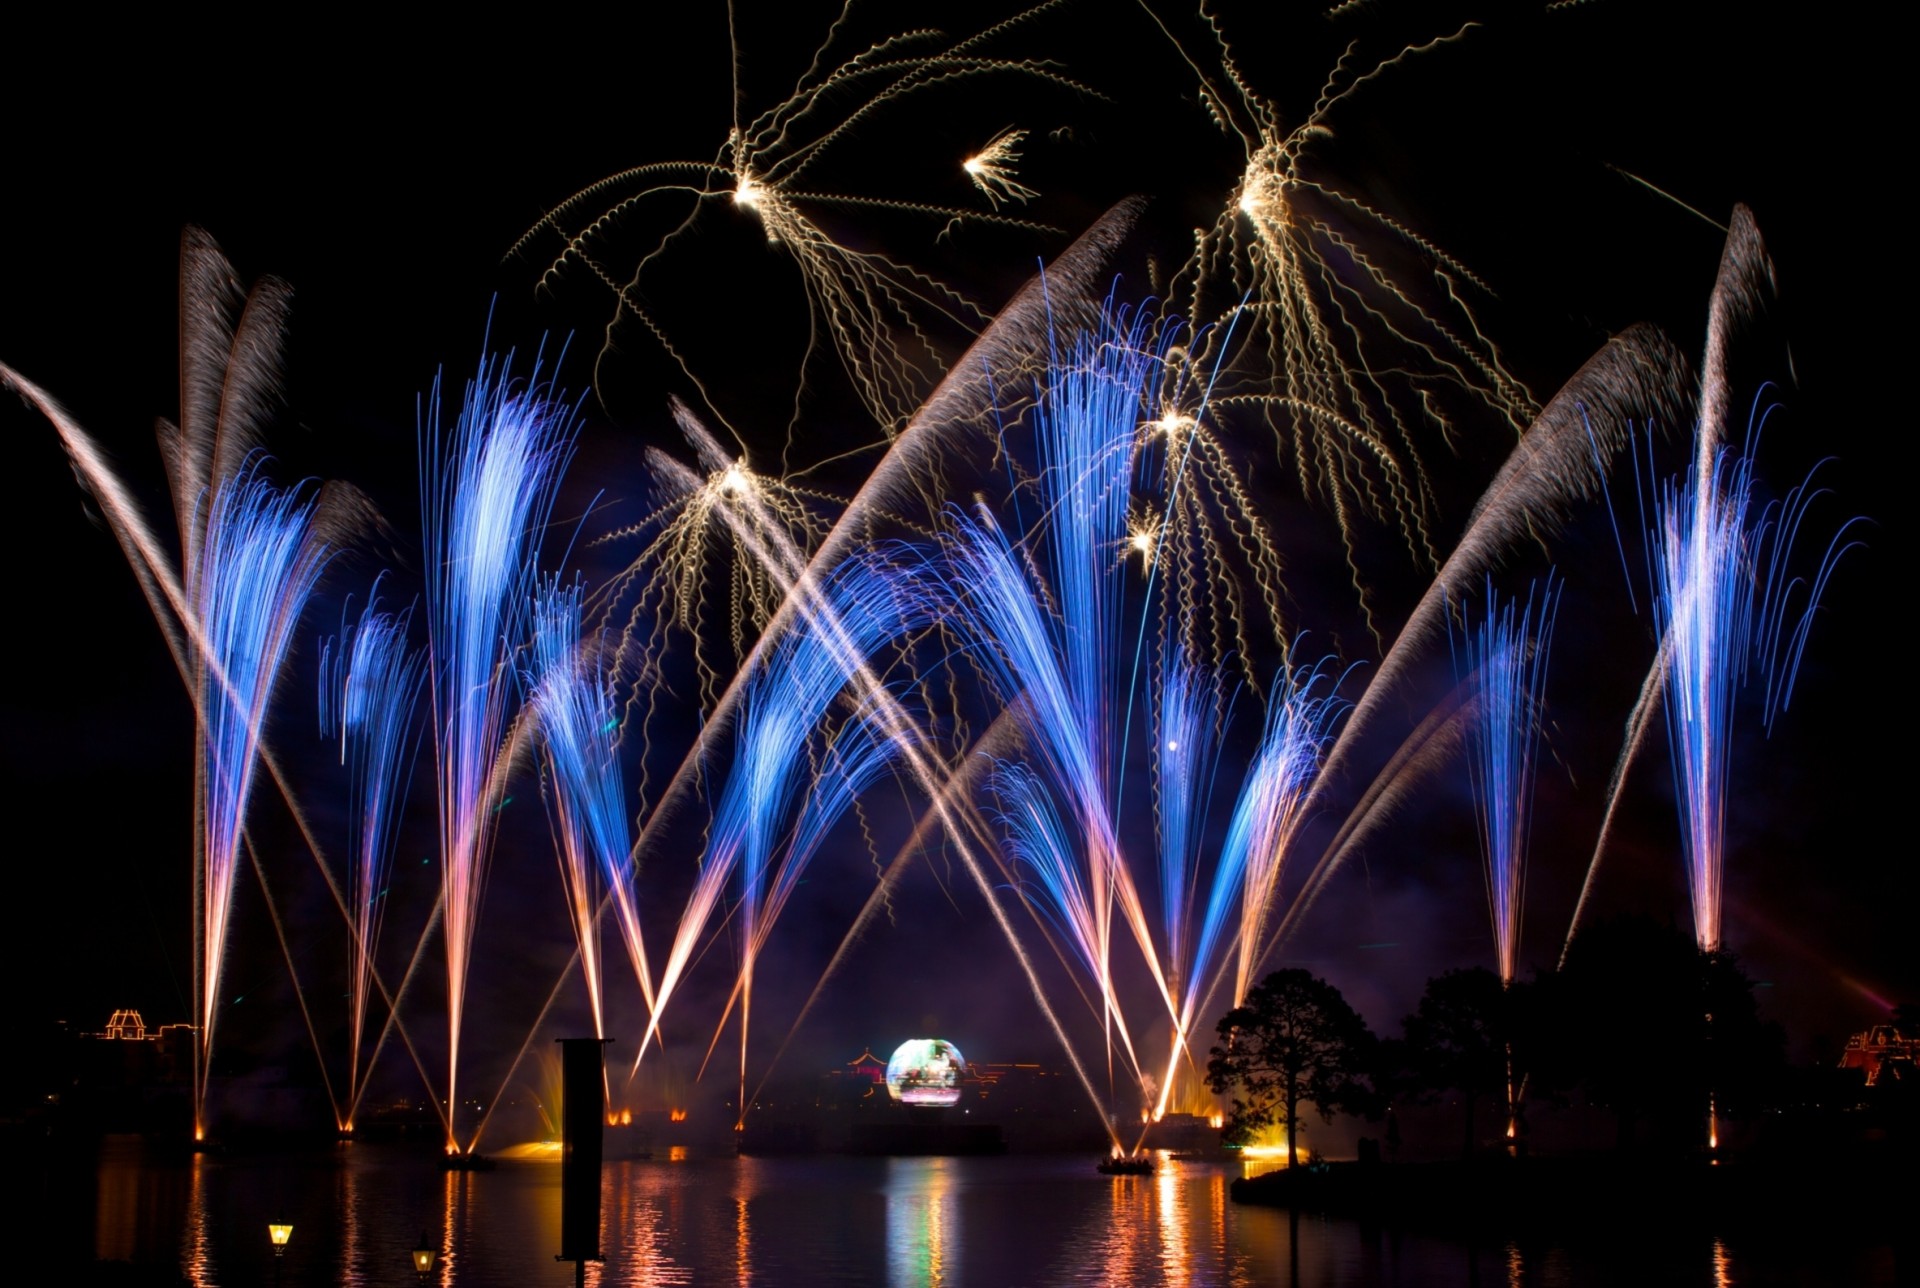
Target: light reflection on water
[[903, 1222]]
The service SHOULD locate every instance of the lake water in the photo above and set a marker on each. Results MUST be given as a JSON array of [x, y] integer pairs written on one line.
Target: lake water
[[678, 1219]]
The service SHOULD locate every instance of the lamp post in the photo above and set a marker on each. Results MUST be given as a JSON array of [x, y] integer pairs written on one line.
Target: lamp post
[[279, 1232], [423, 1256]]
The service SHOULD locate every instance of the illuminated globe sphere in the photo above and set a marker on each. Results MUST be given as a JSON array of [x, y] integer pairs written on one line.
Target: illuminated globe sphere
[[925, 1071]]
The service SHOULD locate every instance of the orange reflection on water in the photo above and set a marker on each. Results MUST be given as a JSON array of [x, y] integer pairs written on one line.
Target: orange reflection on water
[[456, 1193], [117, 1214], [197, 1258], [1722, 1265], [1170, 1207], [742, 1244]]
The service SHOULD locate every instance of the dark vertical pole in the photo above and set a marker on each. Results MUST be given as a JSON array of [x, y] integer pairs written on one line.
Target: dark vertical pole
[[583, 1110]]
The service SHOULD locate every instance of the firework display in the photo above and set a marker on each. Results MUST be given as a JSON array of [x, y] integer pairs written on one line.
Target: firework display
[[1034, 612]]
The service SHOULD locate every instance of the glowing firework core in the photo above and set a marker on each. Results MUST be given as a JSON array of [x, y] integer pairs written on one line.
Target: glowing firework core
[[925, 1071]]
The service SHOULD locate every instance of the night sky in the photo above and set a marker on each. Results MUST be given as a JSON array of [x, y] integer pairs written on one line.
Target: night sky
[[387, 177]]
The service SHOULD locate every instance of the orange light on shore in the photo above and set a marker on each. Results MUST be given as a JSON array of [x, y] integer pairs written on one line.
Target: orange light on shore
[[677, 1116]]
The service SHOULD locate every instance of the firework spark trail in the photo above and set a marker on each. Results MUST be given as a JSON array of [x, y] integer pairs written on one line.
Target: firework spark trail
[[993, 167], [1050, 644], [166, 598], [1267, 815], [1682, 542], [854, 757], [1064, 882], [1723, 605], [1061, 297], [484, 501], [687, 545], [1326, 317], [1186, 757], [873, 310], [1210, 552], [572, 703], [262, 553], [1507, 652], [369, 690], [860, 606], [1559, 461]]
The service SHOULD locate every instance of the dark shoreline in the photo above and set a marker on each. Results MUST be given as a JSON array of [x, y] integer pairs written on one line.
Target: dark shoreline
[[1571, 1195]]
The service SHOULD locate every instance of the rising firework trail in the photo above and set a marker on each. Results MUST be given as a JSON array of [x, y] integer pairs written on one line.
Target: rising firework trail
[[485, 498], [1505, 655], [261, 554], [1063, 298], [230, 350], [579, 726], [1727, 606], [1726, 598], [1051, 643], [794, 773], [1560, 461], [370, 683]]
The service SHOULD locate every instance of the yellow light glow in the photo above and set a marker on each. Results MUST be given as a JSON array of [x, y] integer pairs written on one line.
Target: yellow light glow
[[422, 1260], [1216, 1120], [746, 192], [279, 1234], [626, 1117]]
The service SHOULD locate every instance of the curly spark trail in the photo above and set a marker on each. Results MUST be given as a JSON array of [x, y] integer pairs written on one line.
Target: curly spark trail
[[872, 310], [993, 169], [485, 497], [1327, 331], [1207, 550], [693, 567]]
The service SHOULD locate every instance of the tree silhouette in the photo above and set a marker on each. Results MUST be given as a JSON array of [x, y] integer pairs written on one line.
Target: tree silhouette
[[1651, 1028], [1462, 1039], [1294, 1041]]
